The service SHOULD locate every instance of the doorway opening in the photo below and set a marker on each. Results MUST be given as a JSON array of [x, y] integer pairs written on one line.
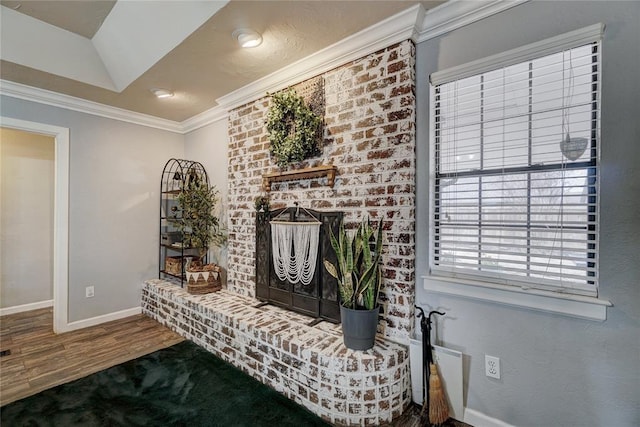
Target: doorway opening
[[60, 213], [26, 220]]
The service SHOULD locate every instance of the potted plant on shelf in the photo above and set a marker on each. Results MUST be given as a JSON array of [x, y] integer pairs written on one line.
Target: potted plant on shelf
[[359, 279], [202, 229]]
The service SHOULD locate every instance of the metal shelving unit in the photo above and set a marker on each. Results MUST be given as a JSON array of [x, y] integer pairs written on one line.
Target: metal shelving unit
[[175, 252]]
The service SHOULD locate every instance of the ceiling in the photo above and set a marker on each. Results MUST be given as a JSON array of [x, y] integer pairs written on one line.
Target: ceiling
[[115, 52]]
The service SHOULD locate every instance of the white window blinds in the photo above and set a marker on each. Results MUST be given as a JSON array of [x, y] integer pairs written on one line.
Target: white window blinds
[[515, 197]]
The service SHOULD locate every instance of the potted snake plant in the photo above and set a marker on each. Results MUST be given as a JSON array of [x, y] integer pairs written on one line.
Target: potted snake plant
[[359, 279]]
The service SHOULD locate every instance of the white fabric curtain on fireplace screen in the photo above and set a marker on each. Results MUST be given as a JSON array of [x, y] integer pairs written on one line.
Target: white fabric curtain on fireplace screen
[[515, 188], [295, 250]]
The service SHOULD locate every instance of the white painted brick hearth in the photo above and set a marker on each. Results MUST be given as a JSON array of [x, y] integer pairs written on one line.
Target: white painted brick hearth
[[309, 365]]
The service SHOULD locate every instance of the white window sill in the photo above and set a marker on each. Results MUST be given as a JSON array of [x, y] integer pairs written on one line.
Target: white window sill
[[583, 307]]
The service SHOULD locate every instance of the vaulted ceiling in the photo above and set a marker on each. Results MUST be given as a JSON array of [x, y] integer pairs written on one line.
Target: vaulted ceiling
[[115, 52]]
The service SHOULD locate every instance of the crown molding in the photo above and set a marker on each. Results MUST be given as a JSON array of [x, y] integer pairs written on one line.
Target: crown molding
[[570, 40], [414, 24], [54, 99], [212, 115], [455, 14], [397, 28]]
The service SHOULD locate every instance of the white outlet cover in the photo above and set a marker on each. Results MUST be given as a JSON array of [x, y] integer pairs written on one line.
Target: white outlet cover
[[492, 366], [89, 291]]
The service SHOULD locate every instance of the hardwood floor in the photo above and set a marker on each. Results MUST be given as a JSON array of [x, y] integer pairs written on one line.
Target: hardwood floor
[[40, 359]]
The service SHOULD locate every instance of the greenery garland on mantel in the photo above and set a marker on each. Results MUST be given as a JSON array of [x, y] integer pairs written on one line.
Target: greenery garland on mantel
[[293, 129]]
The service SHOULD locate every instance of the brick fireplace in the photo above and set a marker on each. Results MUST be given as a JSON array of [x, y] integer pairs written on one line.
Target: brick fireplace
[[369, 135], [368, 107]]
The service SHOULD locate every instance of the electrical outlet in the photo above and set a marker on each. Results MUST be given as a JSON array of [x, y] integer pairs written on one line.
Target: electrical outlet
[[89, 291], [492, 366]]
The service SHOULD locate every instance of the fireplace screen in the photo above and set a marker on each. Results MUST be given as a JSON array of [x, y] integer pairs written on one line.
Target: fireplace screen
[[319, 296]]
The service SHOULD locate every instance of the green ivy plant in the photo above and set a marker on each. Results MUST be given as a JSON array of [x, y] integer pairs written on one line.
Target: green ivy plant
[[201, 226], [293, 129]]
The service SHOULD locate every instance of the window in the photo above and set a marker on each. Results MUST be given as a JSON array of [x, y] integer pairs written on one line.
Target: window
[[515, 182]]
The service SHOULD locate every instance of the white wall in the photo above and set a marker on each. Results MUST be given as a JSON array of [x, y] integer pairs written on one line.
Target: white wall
[[556, 371], [115, 170], [26, 212], [209, 146]]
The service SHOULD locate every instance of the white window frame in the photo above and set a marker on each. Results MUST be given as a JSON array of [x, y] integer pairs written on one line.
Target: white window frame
[[586, 307]]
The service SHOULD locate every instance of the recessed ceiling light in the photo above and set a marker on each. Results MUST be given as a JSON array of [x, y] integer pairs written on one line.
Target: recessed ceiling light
[[247, 37], [162, 93]]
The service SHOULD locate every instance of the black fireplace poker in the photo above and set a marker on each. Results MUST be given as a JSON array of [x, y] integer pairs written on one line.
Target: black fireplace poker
[[427, 356]]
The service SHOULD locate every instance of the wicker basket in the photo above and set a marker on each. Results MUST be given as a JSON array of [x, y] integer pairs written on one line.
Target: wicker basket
[[173, 265], [204, 282]]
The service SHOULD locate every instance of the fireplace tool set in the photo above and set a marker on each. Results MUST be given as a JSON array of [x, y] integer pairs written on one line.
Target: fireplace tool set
[[435, 406]]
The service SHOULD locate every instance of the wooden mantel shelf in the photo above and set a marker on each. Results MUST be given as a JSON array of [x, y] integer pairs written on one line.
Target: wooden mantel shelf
[[307, 173]]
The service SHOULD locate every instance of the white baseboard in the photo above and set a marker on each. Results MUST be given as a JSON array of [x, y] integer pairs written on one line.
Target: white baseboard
[[478, 419], [26, 307], [79, 324]]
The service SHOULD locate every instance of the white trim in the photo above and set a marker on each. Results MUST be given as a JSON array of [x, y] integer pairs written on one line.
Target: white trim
[[583, 307], [479, 419], [413, 23], [205, 118], [93, 321], [61, 232], [46, 97], [26, 307], [397, 28], [455, 14], [60, 214], [580, 37]]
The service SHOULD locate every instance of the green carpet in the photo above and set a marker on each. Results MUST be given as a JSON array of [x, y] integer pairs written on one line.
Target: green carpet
[[183, 385]]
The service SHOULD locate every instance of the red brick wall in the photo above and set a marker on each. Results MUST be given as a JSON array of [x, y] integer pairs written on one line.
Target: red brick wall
[[369, 134]]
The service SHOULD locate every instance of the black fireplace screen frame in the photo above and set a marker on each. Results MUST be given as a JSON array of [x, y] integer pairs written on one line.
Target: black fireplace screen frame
[[319, 299]]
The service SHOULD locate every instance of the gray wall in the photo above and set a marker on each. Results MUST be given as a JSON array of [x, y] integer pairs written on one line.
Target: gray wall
[[556, 370], [115, 170], [210, 145]]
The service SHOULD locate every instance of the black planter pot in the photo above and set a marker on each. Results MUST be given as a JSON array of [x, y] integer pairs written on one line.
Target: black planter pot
[[359, 327]]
